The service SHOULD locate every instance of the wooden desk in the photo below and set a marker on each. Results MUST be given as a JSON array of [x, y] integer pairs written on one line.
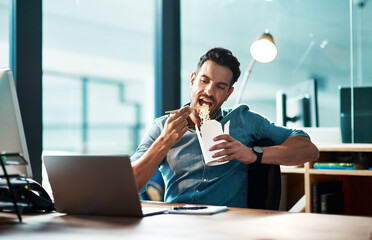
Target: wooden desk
[[236, 223]]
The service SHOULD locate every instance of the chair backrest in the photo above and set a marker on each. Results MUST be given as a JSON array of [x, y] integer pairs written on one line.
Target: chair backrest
[[264, 183]]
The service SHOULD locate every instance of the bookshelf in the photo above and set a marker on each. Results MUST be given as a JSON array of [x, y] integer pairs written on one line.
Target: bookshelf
[[356, 184]]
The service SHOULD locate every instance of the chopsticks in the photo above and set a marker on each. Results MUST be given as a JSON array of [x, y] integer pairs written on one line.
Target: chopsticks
[[192, 108]]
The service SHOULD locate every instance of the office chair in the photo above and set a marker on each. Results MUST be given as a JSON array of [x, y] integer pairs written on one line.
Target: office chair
[[264, 183], [155, 188]]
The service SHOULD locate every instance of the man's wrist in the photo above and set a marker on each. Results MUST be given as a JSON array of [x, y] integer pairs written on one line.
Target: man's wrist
[[164, 143], [259, 153]]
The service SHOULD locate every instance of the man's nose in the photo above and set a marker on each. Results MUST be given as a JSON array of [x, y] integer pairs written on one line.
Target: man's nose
[[209, 90]]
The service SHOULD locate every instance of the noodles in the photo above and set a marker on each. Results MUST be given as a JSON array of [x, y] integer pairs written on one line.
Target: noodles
[[204, 114]]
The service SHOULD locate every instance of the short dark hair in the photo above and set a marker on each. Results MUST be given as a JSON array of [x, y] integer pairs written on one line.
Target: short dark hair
[[222, 57]]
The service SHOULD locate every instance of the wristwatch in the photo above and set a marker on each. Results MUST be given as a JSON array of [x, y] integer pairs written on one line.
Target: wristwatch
[[259, 152]]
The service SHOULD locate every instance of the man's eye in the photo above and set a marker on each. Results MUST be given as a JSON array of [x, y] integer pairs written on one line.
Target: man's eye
[[204, 80], [222, 87]]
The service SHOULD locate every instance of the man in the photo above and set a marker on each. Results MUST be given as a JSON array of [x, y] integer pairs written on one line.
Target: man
[[172, 145]]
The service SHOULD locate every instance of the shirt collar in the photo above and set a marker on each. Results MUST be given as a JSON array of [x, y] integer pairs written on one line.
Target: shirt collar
[[219, 115]]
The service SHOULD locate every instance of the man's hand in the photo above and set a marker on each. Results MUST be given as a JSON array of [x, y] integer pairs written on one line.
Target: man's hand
[[233, 149], [176, 126]]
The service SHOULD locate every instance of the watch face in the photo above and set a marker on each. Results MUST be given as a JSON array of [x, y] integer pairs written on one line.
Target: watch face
[[257, 149]]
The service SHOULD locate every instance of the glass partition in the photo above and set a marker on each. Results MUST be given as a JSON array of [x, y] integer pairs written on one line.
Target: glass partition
[[359, 126], [313, 40]]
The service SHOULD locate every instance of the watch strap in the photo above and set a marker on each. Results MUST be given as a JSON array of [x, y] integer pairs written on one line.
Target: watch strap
[[259, 155]]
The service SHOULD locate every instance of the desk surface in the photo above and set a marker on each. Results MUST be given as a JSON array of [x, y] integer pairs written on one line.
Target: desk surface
[[236, 223]]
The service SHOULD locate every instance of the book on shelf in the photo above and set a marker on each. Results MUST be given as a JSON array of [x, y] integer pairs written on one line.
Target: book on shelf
[[334, 165], [332, 203], [327, 197]]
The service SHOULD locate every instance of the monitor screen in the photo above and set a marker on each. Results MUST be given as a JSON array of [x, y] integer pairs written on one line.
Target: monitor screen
[[12, 137], [362, 114], [298, 106]]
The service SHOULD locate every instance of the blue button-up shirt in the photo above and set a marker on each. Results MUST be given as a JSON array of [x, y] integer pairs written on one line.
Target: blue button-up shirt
[[189, 180]]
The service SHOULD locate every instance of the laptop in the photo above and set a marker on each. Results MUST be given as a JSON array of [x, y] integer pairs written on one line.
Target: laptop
[[95, 185]]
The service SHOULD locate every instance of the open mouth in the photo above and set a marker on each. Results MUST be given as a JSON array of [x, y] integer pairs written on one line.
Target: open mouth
[[205, 101]]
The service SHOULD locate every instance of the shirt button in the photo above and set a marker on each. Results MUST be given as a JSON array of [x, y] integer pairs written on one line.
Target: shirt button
[[197, 191], [204, 180]]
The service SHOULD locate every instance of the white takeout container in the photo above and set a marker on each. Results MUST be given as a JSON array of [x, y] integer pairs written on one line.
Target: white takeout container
[[209, 130]]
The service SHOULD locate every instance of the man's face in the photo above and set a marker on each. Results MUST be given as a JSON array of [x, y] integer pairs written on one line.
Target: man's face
[[211, 86]]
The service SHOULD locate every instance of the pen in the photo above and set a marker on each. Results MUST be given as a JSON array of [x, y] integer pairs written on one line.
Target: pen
[[189, 208]]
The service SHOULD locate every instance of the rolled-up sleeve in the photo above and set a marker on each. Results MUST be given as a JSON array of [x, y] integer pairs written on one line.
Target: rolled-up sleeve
[[278, 133], [264, 128], [149, 138]]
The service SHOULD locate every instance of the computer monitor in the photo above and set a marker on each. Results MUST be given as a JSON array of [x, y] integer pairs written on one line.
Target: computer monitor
[[298, 106], [362, 114], [12, 136]]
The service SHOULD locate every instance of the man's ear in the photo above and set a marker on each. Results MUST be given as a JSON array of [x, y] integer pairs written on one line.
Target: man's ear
[[231, 90], [192, 78]]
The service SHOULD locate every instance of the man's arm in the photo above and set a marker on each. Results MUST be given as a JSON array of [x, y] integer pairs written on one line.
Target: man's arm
[[293, 151], [174, 128]]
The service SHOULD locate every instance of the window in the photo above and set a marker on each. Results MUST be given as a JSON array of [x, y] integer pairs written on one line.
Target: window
[[313, 40], [97, 75], [4, 34]]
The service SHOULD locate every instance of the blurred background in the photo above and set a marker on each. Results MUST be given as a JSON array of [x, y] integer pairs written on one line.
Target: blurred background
[[98, 60]]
